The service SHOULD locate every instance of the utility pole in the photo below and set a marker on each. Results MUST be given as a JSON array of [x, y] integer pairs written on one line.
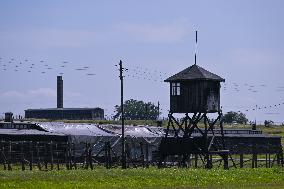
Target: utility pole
[[158, 110], [123, 157], [254, 125]]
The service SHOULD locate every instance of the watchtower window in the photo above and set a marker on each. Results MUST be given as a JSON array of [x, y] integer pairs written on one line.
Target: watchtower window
[[175, 89]]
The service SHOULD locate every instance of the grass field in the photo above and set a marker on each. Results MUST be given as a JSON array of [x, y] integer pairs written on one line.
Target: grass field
[[144, 178]]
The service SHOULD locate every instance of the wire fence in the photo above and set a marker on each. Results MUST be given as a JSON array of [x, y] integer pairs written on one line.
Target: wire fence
[[49, 155]]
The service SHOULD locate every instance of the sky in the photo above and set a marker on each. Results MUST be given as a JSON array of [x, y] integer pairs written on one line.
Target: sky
[[242, 41]]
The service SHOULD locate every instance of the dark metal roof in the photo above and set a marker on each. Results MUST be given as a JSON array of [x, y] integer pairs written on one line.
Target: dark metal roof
[[194, 72], [27, 132], [63, 109]]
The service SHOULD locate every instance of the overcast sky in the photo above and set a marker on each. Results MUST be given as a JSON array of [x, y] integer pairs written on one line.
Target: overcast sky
[[242, 41]]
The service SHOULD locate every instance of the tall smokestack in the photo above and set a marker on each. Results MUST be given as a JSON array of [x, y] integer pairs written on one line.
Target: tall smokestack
[[59, 92]]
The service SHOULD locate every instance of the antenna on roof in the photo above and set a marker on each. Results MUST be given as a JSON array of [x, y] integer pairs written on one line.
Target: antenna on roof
[[195, 47]]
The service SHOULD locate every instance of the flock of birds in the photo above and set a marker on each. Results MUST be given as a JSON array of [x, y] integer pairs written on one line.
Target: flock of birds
[[265, 107], [249, 88], [137, 72], [41, 66]]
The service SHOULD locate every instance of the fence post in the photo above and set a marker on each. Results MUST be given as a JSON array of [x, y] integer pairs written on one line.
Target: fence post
[[38, 156], [147, 155], [4, 156], [106, 155], [226, 161], [189, 160], [254, 160], [57, 157], [142, 156], [195, 160], [266, 160], [10, 157], [86, 156], [281, 159], [90, 156], [241, 160], [22, 156], [73, 155], [31, 155], [109, 153], [278, 159], [51, 154], [256, 163], [67, 156], [46, 155]]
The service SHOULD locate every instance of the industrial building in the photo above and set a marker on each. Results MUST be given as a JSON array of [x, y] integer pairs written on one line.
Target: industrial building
[[65, 113]]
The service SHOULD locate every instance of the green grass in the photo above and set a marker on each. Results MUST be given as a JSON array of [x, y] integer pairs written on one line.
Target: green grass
[[145, 178]]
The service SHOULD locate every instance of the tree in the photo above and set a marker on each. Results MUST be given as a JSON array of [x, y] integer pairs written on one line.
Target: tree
[[137, 110], [242, 119], [231, 117], [268, 123]]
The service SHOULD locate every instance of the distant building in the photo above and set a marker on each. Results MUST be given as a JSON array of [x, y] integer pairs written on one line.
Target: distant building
[[66, 113]]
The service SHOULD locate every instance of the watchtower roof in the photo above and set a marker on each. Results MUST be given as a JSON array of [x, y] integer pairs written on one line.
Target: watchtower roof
[[194, 72]]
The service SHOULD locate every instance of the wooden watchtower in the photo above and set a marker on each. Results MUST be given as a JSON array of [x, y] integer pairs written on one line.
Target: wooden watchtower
[[194, 92]]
